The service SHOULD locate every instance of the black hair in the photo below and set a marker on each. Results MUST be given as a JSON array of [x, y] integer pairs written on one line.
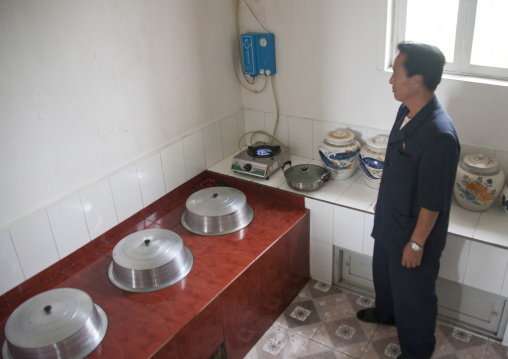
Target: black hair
[[425, 60]]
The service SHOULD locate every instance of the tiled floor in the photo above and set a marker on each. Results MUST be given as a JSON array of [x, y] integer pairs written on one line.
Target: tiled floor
[[321, 323]]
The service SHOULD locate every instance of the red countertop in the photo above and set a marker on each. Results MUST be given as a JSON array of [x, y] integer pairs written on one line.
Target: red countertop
[[237, 287]]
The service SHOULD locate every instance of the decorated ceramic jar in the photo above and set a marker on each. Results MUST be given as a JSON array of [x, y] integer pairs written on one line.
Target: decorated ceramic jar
[[479, 181], [339, 153], [372, 158], [504, 198]]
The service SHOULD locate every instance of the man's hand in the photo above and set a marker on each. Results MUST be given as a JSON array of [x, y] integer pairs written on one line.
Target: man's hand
[[411, 258]]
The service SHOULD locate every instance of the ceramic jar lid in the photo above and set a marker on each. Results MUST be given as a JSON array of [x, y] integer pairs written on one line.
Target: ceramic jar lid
[[380, 142], [339, 137], [59, 323], [480, 163]]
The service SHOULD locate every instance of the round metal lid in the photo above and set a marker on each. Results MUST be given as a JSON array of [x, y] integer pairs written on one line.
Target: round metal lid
[[216, 201], [60, 323], [481, 163], [339, 137], [147, 249], [380, 141], [305, 173]]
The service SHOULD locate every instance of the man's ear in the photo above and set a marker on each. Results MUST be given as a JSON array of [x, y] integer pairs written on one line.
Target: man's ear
[[418, 79]]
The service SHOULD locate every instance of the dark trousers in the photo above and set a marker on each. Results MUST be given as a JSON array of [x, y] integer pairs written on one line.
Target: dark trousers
[[409, 297]]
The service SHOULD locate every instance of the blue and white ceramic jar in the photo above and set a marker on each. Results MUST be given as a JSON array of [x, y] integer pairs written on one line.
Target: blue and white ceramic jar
[[339, 153], [372, 158], [478, 183], [504, 198]]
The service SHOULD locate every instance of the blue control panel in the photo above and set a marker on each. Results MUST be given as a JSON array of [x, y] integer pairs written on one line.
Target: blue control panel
[[258, 54]]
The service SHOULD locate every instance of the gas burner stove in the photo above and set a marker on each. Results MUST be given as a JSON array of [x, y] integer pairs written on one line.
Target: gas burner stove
[[260, 160]]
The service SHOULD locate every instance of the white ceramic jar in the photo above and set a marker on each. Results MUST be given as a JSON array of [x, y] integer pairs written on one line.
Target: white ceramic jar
[[372, 158], [339, 153], [504, 198], [479, 181]]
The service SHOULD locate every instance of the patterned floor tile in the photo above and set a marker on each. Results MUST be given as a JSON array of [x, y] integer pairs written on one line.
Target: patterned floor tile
[[278, 343], [496, 351], [343, 332], [384, 344], [315, 350], [456, 341]]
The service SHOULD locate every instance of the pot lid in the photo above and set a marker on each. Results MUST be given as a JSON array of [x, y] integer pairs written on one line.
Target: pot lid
[[481, 163], [339, 137], [305, 173], [216, 201], [380, 141], [60, 323]]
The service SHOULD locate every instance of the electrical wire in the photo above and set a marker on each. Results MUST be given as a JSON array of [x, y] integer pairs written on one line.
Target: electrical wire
[[268, 31]]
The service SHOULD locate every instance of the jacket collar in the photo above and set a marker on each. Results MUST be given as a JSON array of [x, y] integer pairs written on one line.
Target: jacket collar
[[410, 128]]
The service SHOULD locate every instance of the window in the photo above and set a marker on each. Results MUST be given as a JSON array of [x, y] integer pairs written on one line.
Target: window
[[473, 34]]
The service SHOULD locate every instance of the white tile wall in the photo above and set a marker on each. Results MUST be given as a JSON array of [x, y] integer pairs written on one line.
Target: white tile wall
[[321, 220], [193, 152], [173, 165], [151, 179], [368, 241], [99, 208], [212, 144], [126, 193], [282, 131], [454, 259], [300, 137], [229, 135], [348, 228], [12, 274], [69, 225], [486, 267], [254, 121], [321, 261], [34, 244]]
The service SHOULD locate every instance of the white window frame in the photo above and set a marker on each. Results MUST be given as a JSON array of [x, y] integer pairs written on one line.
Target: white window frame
[[463, 42]]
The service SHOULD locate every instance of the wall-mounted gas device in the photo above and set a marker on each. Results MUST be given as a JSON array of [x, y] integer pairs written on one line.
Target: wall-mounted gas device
[[258, 54]]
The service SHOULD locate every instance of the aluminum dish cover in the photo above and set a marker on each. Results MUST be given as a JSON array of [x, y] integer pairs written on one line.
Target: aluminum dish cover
[[149, 260], [216, 201], [59, 323]]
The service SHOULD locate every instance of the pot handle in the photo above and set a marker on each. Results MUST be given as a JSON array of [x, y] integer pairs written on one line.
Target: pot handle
[[284, 165], [326, 177]]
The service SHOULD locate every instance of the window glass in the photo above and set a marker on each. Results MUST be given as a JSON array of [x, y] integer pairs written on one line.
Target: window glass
[[433, 22], [490, 40]]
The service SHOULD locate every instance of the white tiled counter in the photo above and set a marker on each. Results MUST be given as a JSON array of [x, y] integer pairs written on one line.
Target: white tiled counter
[[342, 214]]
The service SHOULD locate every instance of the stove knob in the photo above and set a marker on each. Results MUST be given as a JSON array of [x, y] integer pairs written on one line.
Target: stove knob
[[247, 167]]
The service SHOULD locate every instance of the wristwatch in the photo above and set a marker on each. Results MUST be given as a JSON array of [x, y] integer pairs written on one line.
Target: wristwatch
[[415, 246]]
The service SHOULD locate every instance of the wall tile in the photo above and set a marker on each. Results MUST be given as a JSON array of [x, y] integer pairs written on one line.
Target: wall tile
[[486, 267], [454, 259], [69, 226], [151, 179], [99, 208], [12, 274], [34, 244], [321, 258], [193, 152], [241, 126], [300, 137], [229, 135], [502, 158], [368, 241], [126, 193], [212, 144], [173, 166], [282, 131], [254, 121], [321, 220], [348, 227]]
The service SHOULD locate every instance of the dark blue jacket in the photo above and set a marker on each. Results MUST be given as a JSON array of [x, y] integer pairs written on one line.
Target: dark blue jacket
[[419, 171]]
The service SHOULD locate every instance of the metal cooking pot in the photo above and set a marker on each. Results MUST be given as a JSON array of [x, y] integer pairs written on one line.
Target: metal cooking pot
[[305, 177]]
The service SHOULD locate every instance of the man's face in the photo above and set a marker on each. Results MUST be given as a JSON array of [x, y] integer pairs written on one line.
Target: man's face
[[402, 86]]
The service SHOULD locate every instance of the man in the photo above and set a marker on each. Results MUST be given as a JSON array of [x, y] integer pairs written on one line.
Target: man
[[413, 205]]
